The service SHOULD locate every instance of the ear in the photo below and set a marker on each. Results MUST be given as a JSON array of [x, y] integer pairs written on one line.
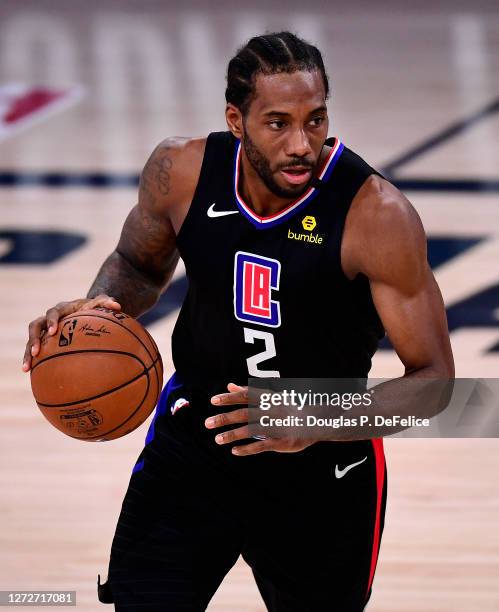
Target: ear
[[234, 119]]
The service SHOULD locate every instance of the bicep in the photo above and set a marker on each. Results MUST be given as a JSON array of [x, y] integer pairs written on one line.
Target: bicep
[[414, 320]]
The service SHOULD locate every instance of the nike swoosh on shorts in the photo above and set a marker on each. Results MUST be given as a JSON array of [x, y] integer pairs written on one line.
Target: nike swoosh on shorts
[[340, 473]]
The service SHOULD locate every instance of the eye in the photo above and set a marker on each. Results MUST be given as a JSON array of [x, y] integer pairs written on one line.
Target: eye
[[276, 124], [317, 121]]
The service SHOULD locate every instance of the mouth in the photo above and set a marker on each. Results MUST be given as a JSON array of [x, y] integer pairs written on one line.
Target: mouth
[[297, 175]]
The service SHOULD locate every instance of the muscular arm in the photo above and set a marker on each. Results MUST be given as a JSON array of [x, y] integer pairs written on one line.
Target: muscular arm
[[142, 264], [384, 240]]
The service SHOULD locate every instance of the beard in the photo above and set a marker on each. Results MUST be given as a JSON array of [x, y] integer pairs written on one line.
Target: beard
[[261, 165]]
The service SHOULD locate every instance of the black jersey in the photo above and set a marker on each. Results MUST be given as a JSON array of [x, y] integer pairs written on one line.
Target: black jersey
[[267, 296]]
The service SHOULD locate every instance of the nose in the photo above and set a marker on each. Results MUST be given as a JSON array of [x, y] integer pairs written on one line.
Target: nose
[[298, 144]]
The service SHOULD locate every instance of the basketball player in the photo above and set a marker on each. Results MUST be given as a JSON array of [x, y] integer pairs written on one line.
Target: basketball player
[[299, 256]]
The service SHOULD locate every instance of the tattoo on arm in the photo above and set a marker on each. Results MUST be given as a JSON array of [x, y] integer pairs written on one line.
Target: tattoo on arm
[[146, 256], [156, 176], [122, 281]]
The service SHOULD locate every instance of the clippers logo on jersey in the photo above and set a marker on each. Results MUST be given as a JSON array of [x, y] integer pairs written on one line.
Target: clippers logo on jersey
[[255, 277]]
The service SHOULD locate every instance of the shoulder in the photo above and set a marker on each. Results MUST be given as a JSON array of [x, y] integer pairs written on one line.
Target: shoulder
[[180, 148], [380, 206], [382, 230], [171, 173]]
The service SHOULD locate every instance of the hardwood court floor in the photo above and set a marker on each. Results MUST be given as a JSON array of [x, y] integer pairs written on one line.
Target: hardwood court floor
[[400, 76]]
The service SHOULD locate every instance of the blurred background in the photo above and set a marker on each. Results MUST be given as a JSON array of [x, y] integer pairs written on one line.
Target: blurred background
[[87, 89]]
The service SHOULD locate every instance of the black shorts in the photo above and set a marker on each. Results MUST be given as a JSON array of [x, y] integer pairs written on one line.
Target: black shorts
[[308, 524]]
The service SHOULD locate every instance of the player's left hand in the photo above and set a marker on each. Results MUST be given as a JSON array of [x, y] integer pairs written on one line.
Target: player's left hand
[[239, 395]]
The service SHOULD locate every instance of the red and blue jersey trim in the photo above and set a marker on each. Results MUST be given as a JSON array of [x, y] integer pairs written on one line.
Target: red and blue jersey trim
[[291, 209]]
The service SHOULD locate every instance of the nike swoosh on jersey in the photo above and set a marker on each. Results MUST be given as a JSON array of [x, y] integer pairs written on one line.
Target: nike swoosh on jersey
[[340, 473], [219, 213]]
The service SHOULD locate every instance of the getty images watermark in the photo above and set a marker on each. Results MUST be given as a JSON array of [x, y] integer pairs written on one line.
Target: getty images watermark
[[315, 400], [356, 409]]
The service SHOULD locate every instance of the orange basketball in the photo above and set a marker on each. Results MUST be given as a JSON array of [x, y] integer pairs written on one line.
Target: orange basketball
[[99, 377]]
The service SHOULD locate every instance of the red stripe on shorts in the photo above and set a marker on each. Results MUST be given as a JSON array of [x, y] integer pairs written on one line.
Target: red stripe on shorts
[[379, 457]]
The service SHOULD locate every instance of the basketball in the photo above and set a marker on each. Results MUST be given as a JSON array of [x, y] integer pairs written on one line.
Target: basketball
[[98, 377]]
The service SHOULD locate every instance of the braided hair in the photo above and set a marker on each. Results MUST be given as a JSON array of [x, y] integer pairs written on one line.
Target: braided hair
[[269, 54]]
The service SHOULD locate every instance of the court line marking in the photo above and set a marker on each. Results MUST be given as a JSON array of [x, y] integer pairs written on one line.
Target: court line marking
[[451, 131], [104, 180]]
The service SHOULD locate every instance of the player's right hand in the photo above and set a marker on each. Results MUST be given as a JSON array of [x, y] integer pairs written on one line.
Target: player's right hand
[[48, 322]]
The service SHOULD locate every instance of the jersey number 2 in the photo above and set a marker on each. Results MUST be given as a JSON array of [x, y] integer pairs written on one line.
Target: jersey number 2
[[250, 335]]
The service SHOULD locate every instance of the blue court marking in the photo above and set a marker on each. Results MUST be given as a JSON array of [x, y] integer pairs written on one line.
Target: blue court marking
[[451, 131], [479, 310], [38, 247], [67, 179], [443, 248], [466, 185], [106, 181]]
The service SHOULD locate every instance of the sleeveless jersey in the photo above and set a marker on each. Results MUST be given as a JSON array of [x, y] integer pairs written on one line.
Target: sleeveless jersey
[[267, 296]]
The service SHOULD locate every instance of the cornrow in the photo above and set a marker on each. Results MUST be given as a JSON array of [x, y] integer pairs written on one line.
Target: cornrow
[[269, 54]]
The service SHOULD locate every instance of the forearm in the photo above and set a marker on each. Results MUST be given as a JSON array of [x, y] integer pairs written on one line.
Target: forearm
[[422, 393], [119, 279]]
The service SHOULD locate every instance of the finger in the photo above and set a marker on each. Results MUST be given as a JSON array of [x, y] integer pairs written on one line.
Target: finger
[[103, 300], [234, 397], [35, 330], [27, 358], [241, 433], [254, 448], [234, 387], [35, 347], [58, 312], [227, 418]]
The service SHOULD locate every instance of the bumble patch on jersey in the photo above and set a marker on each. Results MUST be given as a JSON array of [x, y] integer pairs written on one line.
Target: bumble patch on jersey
[[309, 223], [310, 238]]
